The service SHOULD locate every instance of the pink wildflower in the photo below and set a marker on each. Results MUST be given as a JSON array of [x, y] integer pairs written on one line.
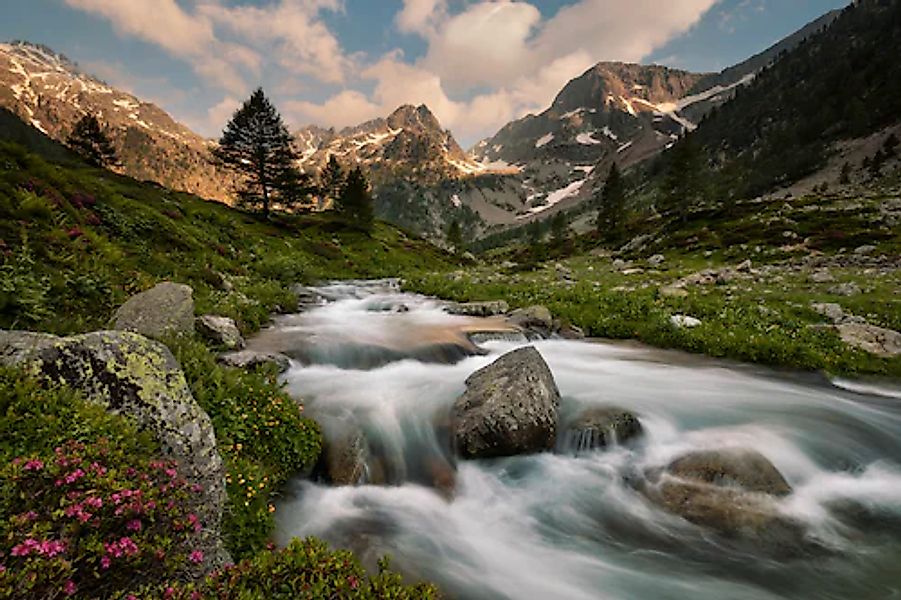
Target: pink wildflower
[[34, 465], [134, 525], [105, 562], [196, 556]]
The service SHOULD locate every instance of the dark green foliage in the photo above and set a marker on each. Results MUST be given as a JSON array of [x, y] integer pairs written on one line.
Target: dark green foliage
[[91, 143], [455, 236], [76, 242], [331, 179], [683, 183], [611, 212], [842, 83], [559, 229], [262, 435], [354, 204], [257, 144], [845, 177], [306, 569]]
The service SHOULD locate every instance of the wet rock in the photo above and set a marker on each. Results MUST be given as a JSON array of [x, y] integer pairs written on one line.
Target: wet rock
[[656, 260], [685, 322], [600, 428], [249, 359], [571, 332], [870, 338], [346, 454], [129, 374], [306, 296], [537, 319], [163, 310], [479, 309], [732, 491], [509, 408], [731, 467], [222, 331]]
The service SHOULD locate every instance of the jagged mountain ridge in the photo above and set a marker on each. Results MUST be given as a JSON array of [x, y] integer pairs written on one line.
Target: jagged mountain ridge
[[51, 93], [607, 107], [409, 142]]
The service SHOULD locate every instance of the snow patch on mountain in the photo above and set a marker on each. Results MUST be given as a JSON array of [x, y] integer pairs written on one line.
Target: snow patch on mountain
[[544, 140]]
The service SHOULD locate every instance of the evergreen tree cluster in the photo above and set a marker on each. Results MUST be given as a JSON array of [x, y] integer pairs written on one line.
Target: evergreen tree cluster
[[842, 83], [90, 141]]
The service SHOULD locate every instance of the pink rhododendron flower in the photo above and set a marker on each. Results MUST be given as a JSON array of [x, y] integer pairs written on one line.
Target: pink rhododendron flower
[[70, 588], [196, 556]]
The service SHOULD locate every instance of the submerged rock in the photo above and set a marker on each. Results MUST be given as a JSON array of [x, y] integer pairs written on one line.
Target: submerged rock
[[345, 455], [599, 428], [732, 491], [165, 309], [132, 375], [509, 408], [221, 331]]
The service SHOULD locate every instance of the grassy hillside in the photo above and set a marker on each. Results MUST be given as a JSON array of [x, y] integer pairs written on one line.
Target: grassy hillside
[[76, 242]]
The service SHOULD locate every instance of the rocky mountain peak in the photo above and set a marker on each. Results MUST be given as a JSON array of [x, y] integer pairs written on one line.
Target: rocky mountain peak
[[418, 118]]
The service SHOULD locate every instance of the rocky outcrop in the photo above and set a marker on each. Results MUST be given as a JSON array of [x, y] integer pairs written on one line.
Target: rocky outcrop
[[870, 338], [249, 359], [599, 428], [732, 491], [535, 319], [509, 407], [221, 331], [479, 309], [131, 375], [684, 322], [163, 310]]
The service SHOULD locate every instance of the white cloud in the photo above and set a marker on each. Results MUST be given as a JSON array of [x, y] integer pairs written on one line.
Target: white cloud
[[486, 61]]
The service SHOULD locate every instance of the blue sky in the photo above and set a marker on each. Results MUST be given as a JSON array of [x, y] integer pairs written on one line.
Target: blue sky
[[476, 63]]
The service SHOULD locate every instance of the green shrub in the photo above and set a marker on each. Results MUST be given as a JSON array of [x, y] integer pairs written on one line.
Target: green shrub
[[306, 569], [262, 435], [95, 521]]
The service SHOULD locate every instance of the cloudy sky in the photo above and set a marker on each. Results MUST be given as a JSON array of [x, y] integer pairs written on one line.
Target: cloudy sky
[[476, 63]]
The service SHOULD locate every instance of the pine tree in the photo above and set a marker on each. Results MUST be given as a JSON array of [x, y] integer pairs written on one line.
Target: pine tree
[[612, 208], [455, 236], [845, 177], [682, 185], [354, 203], [331, 179], [559, 229], [256, 143], [89, 140]]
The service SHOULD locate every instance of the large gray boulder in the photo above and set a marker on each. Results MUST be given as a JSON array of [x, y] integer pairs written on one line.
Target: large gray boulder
[[137, 377], [222, 331], [345, 455], [732, 491], [510, 407], [600, 428], [163, 310]]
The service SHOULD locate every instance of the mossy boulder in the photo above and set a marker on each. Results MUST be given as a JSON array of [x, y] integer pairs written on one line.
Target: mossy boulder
[[164, 310], [139, 378], [510, 407]]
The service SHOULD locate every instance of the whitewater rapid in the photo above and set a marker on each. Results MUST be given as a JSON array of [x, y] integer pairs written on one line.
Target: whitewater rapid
[[572, 527]]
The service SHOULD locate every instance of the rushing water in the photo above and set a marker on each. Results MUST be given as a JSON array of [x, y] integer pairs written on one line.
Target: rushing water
[[555, 526]]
